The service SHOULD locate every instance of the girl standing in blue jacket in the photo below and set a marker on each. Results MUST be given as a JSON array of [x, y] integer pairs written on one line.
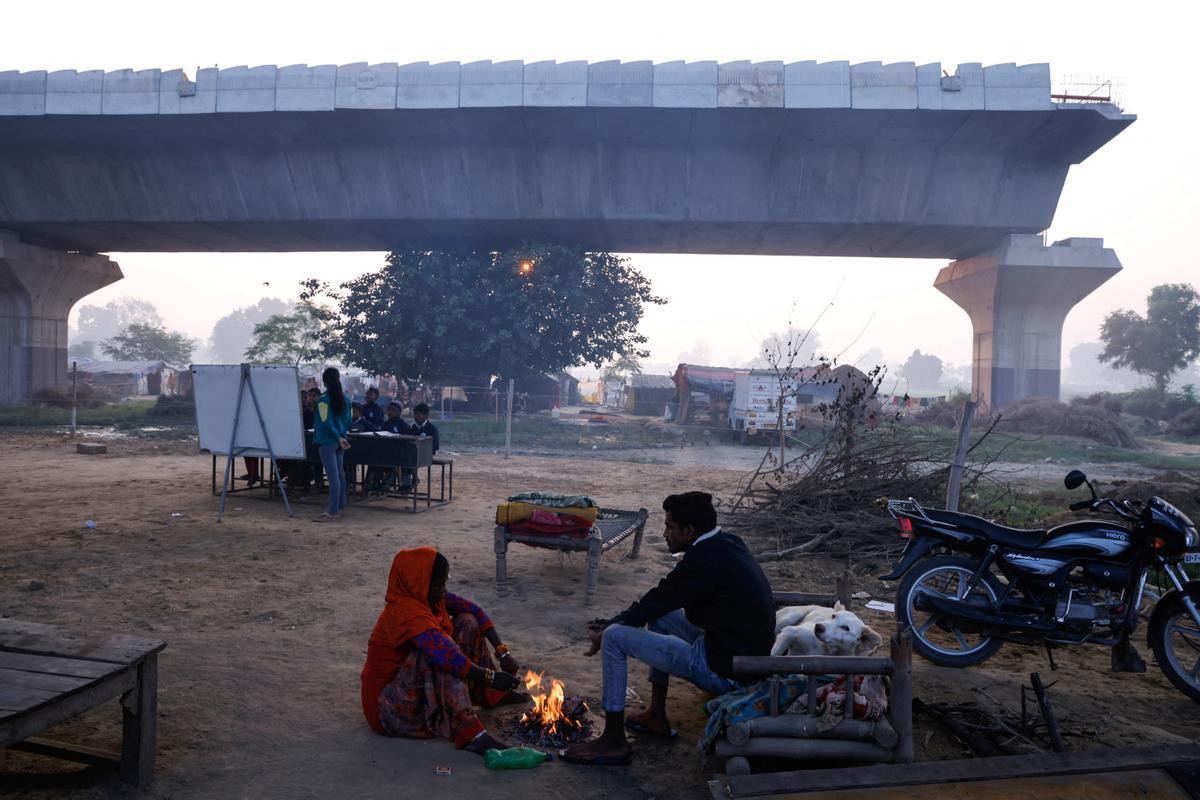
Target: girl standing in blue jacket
[[331, 422]]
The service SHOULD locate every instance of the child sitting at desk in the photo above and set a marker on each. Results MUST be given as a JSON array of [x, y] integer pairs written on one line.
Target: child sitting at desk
[[358, 422], [380, 478], [421, 427], [373, 416]]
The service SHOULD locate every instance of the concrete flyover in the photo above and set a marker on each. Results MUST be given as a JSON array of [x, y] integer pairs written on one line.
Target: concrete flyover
[[757, 158]]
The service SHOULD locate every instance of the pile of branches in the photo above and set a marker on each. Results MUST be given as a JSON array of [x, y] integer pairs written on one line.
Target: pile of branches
[[822, 501], [1090, 421]]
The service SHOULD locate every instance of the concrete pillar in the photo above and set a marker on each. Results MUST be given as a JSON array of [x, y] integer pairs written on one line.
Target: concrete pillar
[[38, 287], [1017, 297]]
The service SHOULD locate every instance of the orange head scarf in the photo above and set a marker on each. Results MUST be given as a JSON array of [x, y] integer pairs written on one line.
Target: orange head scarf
[[407, 613]]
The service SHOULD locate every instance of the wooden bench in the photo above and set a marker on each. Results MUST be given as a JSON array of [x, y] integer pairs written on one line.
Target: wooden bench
[[49, 675], [798, 736], [610, 529]]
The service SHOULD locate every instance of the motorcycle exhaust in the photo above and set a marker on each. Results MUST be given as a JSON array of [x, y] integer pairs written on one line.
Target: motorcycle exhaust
[[982, 617]]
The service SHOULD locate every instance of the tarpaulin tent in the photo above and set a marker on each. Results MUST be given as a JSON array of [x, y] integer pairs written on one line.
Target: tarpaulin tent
[[125, 378], [703, 392], [648, 395]]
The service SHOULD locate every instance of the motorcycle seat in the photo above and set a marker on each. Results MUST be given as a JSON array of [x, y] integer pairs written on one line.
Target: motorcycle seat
[[1024, 538]]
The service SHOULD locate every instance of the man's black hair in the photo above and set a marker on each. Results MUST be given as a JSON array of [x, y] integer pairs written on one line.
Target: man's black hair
[[692, 509], [371, 389], [421, 408], [357, 405]]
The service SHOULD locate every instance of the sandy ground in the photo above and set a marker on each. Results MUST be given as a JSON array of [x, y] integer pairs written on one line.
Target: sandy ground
[[267, 617]]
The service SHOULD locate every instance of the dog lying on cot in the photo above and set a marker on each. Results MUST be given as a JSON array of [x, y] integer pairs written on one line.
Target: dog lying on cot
[[820, 630]]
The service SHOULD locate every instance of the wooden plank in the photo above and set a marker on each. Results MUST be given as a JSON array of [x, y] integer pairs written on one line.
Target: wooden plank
[[50, 640], [1155, 783], [900, 707], [23, 698], [15, 678], [71, 752], [63, 707], [803, 599], [56, 665], [811, 665], [139, 725], [969, 769]]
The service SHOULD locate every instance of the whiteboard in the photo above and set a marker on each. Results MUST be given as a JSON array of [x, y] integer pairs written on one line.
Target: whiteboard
[[278, 392]]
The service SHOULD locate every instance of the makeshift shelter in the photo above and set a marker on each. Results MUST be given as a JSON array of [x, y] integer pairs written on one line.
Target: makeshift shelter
[[704, 393], [129, 378], [568, 389], [648, 395]]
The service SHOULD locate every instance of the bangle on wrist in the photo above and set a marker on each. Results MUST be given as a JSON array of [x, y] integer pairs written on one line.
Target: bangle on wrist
[[489, 676]]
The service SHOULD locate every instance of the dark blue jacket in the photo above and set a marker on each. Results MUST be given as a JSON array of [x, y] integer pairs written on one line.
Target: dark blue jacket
[[428, 429], [373, 417], [397, 425]]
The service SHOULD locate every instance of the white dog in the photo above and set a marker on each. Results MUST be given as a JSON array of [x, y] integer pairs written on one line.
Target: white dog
[[819, 630]]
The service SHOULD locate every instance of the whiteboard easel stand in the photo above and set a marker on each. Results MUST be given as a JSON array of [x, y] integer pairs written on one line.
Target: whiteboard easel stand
[[234, 453]]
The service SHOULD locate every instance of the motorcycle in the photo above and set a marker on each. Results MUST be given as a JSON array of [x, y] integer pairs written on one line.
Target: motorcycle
[[968, 585]]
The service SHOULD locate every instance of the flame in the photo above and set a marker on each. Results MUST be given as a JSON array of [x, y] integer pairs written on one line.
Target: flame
[[547, 706]]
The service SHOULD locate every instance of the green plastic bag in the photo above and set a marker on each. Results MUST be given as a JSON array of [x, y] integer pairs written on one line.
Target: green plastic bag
[[514, 758]]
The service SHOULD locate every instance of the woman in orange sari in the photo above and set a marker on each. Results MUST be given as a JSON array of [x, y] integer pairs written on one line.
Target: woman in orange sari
[[428, 663]]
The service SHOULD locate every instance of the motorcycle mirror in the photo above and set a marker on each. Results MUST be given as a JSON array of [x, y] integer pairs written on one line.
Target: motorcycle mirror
[[1075, 478]]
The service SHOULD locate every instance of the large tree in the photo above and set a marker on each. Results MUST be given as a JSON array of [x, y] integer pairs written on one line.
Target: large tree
[[473, 313], [148, 342], [1160, 343], [293, 338], [97, 323], [923, 370], [232, 333]]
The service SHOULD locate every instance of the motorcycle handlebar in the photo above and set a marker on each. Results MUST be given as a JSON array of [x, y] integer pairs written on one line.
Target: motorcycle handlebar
[[1079, 505]]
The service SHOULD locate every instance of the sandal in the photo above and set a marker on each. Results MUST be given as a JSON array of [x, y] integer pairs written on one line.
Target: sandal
[[639, 728]]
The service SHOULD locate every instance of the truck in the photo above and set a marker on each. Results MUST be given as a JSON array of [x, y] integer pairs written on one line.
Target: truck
[[755, 406]]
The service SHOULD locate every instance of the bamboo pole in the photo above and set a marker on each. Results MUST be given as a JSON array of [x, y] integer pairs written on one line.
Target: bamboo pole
[[960, 457], [508, 422], [74, 395]]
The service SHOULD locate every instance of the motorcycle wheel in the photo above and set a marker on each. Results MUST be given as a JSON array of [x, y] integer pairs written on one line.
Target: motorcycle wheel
[[1175, 638], [938, 638]]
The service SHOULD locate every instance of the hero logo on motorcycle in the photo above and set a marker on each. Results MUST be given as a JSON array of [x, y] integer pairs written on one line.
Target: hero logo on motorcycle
[[967, 585]]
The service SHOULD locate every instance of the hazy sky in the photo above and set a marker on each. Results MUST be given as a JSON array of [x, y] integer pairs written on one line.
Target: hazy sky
[[1139, 192]]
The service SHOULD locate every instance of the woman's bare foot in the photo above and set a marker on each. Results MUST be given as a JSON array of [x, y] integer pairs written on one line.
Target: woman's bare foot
[[483, 743]]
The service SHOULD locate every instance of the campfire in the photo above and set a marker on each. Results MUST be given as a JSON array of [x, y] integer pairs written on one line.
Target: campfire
[[554, 720]]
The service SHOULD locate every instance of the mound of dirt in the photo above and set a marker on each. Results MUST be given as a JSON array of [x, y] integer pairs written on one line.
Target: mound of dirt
[[1045, 416]]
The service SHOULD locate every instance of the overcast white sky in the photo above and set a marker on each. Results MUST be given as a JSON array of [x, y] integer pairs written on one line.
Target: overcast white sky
[[1138, 192]]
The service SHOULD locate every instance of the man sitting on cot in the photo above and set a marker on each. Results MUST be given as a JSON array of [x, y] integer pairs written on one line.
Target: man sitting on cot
[[715, 604]]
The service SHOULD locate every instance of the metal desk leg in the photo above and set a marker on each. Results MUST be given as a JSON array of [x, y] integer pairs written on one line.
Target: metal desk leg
[[501, 560], [450, 494], [214, 475], [595, 549], [428, 485]]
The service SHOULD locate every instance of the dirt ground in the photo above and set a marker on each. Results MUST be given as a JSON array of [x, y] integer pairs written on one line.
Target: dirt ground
[[266, 620]]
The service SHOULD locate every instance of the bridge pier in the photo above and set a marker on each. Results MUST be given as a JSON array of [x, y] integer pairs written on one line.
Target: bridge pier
[[38, 287], [1017, 297]]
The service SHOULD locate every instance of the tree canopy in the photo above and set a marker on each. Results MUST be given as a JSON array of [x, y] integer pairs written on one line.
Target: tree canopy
[[97, 323], [1160, 343], [293, 338], [150, 342], [923, 370], [473, 314], [232, 333]]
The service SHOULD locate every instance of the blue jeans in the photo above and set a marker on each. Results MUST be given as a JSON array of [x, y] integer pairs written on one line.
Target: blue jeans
[[670, 645], [331, 460]]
